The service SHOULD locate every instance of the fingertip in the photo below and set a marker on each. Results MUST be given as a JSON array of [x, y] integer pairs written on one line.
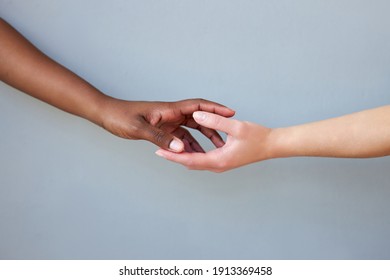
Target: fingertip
[[219, 144], [226, 112], [199, 116], [176, 145], [233, 112], [160, 153], [213, 121], [230, 109]]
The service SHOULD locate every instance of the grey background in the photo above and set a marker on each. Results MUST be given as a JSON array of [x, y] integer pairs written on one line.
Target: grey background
[[70, 190]]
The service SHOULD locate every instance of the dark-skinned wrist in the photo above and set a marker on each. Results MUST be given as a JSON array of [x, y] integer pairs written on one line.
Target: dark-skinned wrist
[[98, 109]]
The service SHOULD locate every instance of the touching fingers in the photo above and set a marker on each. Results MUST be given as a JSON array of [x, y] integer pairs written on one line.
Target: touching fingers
[[212, 134], [189, 106], [191, 145], [162, 138], [217, 122]]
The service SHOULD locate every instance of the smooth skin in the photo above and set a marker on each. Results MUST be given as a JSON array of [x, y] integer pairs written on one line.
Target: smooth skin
[[26, 68], [364, 134]]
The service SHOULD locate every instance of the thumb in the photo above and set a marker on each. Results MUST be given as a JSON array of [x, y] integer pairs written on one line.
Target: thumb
[[163, 139], [214, 121]]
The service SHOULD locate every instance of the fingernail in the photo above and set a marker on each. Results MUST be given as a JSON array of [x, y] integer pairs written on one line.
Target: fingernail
[[158, 152], [199, 116], [176, 145]]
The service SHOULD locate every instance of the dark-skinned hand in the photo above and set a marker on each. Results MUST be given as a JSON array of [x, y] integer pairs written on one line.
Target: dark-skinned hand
[[162, 123]]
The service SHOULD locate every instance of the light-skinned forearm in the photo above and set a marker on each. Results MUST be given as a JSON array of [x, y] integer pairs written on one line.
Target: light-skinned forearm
[[359, 135], [24, 67]]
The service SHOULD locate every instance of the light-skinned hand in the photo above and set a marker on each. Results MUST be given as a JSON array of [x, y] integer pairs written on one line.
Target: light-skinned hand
[[363, 134], [246, 143]]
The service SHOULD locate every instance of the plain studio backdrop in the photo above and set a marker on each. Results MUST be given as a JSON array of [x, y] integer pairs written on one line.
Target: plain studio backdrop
[[70, 190]]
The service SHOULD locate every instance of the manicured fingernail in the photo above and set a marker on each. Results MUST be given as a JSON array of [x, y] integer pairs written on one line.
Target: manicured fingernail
[[199, 116], [158, 152], [176, 145]]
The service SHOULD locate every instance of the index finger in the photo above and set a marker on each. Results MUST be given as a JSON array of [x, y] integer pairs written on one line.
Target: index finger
[[188, 106]]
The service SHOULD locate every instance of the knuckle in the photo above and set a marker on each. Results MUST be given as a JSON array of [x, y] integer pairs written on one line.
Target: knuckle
[[197, 99], [171, 105], [219, 170], [191, 165], [218, 166], [200, 100], [154, 117], [242, 128], [158, 136], [222, 165]]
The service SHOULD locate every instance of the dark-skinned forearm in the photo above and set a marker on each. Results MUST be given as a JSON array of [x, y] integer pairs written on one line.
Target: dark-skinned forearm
[[26, 68]]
